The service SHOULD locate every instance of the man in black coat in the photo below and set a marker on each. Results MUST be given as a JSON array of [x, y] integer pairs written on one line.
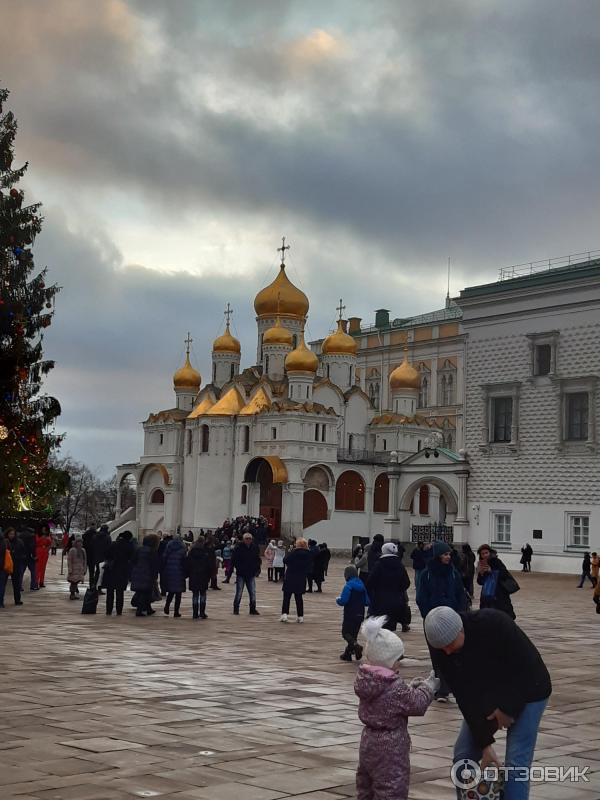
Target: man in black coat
[[27, 536], [119, 559], [100, 546], [387, 586], [88, 546], [499, 680], [246, 562]]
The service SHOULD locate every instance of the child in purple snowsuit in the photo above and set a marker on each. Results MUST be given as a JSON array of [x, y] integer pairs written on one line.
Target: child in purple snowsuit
[[385, 703]]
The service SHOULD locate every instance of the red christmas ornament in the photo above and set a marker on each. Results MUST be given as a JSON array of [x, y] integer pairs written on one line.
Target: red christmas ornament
[[25, 460], [22, 490]]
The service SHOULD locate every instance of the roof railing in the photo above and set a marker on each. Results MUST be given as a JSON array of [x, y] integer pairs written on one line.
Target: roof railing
[[533, 267]]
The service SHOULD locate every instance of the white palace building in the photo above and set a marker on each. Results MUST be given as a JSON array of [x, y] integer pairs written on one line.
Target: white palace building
[[477, 422]]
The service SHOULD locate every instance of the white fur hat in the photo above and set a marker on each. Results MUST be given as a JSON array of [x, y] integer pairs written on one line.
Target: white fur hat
[[389, 549], [383, 647]]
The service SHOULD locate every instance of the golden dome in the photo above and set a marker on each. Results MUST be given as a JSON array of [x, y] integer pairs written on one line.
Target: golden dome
[[301, 359], [226, 343], [278, 334], [187, 377], [405, 376], [340, 343], [281, 297]]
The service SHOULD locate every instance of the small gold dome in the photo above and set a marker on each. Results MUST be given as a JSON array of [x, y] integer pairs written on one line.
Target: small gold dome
[[405, 376], [226, 343], [340, 343], [281, 297], [278, 334], [187, 377], [301, 359]]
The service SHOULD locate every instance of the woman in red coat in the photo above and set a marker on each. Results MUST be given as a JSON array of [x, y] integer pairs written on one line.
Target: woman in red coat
[[43, 543]]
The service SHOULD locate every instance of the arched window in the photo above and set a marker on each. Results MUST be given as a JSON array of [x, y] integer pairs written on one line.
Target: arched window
[[232, 372], [449, 394], [189, 442], [350, 442], [244, 494], [381, 496], [350, 492], [214, 371], [205, 438], [267, 364], [350, 377], [294, 341], [328, 370], [424, 500], [246, 439], [157, 496]]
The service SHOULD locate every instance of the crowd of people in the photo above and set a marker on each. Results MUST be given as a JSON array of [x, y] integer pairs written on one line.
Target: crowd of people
[[466, 647]]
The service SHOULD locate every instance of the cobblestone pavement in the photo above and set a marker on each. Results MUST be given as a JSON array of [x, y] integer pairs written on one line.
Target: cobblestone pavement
[[246, 708]]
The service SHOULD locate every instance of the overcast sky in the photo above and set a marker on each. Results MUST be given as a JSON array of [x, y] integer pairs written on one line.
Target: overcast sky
[[173, 143]]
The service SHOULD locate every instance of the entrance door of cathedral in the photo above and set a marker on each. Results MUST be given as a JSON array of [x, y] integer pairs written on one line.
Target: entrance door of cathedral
[[314, 507], [270, 498]]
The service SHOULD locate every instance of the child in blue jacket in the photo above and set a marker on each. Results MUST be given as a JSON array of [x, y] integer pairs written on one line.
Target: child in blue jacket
[[354, 599]]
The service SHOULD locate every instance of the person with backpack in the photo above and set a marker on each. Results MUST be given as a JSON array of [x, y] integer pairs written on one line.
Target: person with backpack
[[353, 599], [12, 564]]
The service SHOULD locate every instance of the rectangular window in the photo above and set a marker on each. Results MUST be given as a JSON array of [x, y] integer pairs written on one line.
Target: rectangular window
[[502, 419], [323, 431], [161, 438], [385, 444], [543, 359], [579, 530], [502, 528], [189, 442], [317, 432], [273, 433], [577, 408]]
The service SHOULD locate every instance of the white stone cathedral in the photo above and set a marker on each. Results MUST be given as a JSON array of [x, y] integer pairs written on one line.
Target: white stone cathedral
[[293, 438]]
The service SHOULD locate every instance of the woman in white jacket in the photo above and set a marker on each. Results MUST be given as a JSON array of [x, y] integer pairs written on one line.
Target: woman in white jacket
[[278, 561]]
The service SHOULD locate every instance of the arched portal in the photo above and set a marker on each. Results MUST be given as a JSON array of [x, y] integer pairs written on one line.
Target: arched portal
[[269, 473], [447, 492], [314, 507], [127, 493]]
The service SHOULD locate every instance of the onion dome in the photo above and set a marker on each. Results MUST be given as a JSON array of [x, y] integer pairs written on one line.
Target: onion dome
[[278, 334], [226, 343], [187, 377], [281, 298], [340, 343], [405, 376], [301, 359]]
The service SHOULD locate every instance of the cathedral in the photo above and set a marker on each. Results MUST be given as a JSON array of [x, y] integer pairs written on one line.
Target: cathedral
[[293, 437], [478, 422]]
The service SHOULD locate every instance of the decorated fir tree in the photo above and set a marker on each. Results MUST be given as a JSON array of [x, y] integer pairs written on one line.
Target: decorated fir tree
[[27, 482]]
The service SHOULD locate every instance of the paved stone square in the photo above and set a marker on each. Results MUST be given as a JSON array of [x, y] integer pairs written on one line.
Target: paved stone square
[[246, 708]]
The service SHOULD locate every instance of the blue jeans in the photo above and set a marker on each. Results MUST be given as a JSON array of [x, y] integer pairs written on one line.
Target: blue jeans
[[250, 584], [520, 747]]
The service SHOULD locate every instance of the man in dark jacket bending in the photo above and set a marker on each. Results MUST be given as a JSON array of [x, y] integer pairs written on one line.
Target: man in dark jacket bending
[[246, 562], [499, 680]]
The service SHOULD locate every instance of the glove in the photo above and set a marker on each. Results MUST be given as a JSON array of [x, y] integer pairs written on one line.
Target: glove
[[432, 682]]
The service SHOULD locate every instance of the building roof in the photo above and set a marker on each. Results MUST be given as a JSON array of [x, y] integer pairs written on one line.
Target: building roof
[[540, 278]]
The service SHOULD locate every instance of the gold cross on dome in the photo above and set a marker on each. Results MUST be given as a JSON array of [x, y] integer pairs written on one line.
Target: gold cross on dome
[[188, 342], [282, 249], [341, 308], [228, 312]]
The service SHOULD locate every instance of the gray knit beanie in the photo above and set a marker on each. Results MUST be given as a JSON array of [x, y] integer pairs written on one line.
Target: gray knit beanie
[[442, 626], [350, 572]]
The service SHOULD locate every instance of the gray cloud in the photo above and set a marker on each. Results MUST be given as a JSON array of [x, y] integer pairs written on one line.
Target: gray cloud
[[380, 137]]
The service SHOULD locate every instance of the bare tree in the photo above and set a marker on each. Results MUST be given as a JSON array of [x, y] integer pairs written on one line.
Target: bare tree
[[88, 499]]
